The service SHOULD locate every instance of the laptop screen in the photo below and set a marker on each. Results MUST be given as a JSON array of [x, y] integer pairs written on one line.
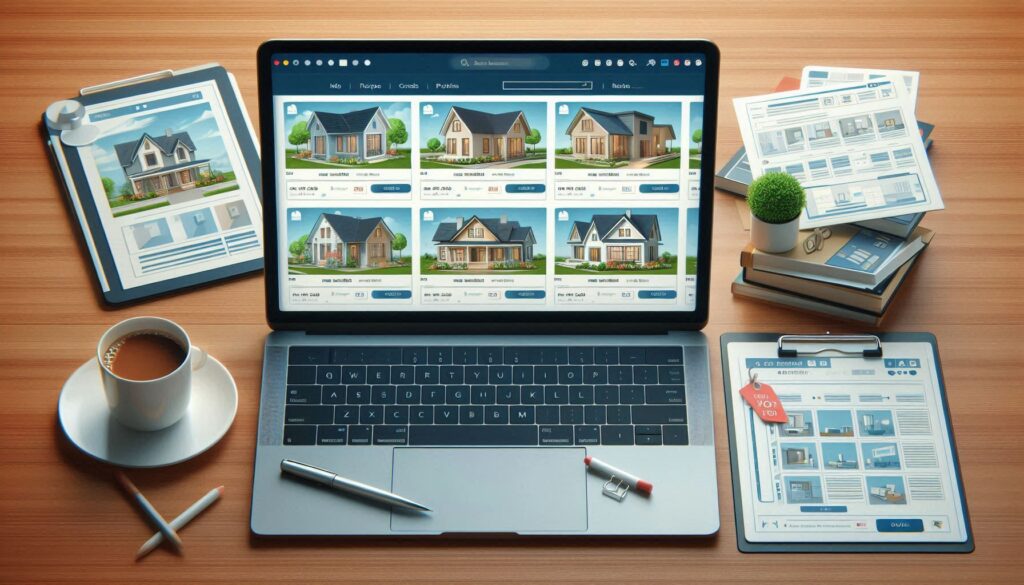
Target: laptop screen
[[535, 182]]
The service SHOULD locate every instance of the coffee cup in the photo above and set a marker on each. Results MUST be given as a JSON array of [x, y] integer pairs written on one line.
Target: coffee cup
[[146, 388]]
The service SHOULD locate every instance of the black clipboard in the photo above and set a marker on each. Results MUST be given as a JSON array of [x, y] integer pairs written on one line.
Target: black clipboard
[[71, 172], [866, 346]]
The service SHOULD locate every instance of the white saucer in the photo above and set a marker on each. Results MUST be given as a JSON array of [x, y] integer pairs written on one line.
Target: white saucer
[[88, 424]]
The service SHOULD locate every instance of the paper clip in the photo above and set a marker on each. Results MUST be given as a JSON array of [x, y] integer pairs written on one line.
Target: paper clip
[[615, 488]]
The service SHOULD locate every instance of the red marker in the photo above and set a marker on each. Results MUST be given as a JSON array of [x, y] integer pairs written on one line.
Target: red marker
[[618, 478]]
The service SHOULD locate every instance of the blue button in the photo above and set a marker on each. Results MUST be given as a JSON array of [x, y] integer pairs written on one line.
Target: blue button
[[657, 294], [659, 188], [525, 188], [391, 188], [391, 294], [900, 525], [824, 509], [525, 294]]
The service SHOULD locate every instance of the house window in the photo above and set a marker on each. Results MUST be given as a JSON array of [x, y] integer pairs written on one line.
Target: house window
[[632, 253], [499, 254], [593, 237], [588, 125], [182, 153], [597, 146], [457, 126], [643, 127], [150, 159], [351, 143], [441, 254], [477, 232], [377, 232], [373, 124], [487, 145], [323, 232], [517, 127], [625, 232], [465, 147], [581, 146], [450, 146]]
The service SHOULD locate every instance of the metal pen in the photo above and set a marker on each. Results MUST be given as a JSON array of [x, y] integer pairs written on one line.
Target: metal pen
[[335, 481]]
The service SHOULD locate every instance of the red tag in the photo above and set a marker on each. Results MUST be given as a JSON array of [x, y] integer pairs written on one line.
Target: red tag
[[763, 400]]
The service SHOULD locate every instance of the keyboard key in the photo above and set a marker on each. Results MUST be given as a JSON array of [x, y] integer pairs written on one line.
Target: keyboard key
[[333, 395], [547, 415], [457, 395], [302, 374], [587, 434], [620, 375], [390, 435], [380, 355], [657, 415], [378, 374], [328, 374], [473, 435], [556, 395], [521, 415], [570, 374], [371, 415], [668, 394], [396, 415], [522, 374], [331, 434], [632, 355], [426, 374], [353, 374], [581, 394], [533, 395], [545, 375], [308, 415], [496, 415], [500, 374], [464, 355], [490, 356], [595, 374], [507, 395], [450, 374], [359, 434], [520, 355], [618, 415], [647, 429], [421, 415], [606, 355], [415, 356], [481, 394], [434, 394], [303, 395], [402, 374], [555, 435], [346, 415], [476, 374], [648, 439], [382, 394], [471, 415], [308, 355], [299, 434], [616, 435], [664, 354], [446, 415], [549, 356], [439, 356], [570, 415], [631, 394], [595, 415], [645, 374], [407, 394], [358, 395], [675, 435], [581, 356], [670, 374], [606, 394]]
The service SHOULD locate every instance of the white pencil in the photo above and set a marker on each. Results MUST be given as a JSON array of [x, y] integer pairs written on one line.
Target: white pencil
[[184, 518]]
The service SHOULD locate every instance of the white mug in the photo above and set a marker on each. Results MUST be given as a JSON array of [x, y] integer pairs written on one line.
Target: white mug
[[149, 405]]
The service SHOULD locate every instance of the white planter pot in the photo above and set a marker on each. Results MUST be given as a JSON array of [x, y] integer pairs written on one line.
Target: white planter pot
[[774, 238]]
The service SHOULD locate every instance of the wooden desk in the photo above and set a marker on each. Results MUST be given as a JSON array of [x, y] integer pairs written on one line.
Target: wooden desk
[[62, 518]]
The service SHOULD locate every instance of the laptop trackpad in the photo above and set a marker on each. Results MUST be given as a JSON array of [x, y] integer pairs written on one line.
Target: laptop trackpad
[[491, 490]]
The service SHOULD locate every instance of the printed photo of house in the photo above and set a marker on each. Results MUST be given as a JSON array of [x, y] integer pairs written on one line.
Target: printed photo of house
[[499, 135], [592, 241], [323, 135], [155, 160], [335, 241], [482, 241], [609, 135]]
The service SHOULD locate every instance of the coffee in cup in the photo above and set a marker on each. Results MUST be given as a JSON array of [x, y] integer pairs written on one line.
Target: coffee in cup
[[144, 355]]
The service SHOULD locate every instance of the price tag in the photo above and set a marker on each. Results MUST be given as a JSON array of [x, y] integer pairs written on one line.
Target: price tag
[[761, 397]]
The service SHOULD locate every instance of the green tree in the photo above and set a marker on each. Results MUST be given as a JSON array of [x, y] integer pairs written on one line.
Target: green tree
[[299, 134], [126, 190], [399, 243], [298, 248], [698, 135], [397, 134], [533, 139], [108, 186], [434, 144]]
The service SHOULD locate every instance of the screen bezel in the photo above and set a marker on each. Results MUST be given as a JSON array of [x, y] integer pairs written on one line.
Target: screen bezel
[[496, 321]]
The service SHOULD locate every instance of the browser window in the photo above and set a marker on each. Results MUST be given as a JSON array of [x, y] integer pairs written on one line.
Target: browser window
[[560, 182]]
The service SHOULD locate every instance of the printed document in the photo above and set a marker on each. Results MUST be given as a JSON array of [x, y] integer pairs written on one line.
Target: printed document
[[821, 76]]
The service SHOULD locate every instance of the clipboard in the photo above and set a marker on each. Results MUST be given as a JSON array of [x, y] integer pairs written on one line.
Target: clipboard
[[162, 174], [796, 351]]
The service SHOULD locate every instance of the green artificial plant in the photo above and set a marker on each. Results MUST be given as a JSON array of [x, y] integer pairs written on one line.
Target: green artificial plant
[[776, 198]]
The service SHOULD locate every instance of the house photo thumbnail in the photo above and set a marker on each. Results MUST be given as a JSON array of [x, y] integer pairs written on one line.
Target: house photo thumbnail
[[603, 135], [347, 135], [630, 241], [162, 159], [482, 241], [497, 135], [349, 241]]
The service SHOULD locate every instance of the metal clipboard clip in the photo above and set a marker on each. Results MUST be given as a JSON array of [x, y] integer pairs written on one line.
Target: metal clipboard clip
[[869, 346], [615, 488]]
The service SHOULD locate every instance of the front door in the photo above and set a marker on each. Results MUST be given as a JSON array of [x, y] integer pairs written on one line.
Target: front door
[[373, 145], [499, 147], [353, 253], [577, 252], [645, 149], [595, 254], [320, 146], [515, 148]]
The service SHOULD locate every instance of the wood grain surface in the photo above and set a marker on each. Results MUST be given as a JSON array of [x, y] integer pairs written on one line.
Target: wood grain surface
[[62, 518]]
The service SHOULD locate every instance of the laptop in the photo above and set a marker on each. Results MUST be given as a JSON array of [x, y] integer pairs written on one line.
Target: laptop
[[487, 261]]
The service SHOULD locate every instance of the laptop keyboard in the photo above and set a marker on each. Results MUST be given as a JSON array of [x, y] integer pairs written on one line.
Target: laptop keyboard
[[485, 396]]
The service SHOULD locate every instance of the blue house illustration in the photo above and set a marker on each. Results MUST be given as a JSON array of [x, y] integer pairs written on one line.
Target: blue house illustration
[[161, 164], [360, 134]]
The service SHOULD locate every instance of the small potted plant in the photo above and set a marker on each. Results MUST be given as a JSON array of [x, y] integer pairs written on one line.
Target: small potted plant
[[776, 201]]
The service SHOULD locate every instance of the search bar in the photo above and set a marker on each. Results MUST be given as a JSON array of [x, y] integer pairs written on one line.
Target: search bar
[[547, 85], [500, 62]]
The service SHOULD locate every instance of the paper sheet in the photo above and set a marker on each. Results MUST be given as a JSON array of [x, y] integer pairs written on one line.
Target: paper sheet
[[822, 76]]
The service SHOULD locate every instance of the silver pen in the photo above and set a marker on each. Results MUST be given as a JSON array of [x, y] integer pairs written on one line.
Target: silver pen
[[333, 480]]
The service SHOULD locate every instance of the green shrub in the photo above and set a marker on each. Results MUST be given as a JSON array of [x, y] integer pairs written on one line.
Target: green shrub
[[352, 264], [776, 198], [331, 263]]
